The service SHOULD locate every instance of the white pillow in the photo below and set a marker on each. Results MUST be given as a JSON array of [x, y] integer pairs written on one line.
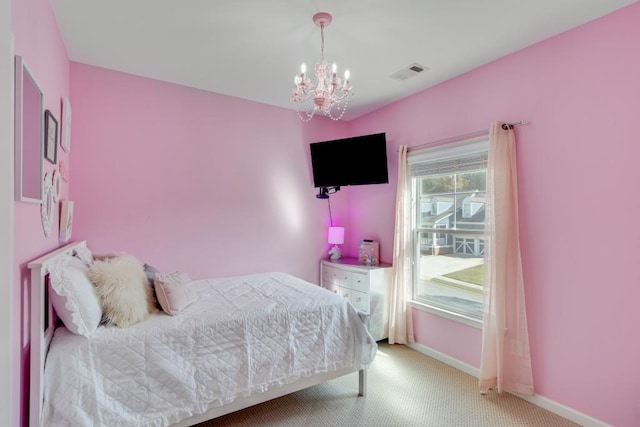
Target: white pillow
[[73, 296], [174, 292], [84, 254], [123, 289]]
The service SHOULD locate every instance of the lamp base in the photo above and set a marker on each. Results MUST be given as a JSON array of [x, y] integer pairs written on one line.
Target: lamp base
[[335, 252]]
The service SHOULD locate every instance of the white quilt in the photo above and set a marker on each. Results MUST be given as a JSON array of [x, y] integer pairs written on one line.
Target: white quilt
[[245, 334]]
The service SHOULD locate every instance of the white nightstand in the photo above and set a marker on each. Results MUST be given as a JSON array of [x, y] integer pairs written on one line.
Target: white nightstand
[[364, 286]]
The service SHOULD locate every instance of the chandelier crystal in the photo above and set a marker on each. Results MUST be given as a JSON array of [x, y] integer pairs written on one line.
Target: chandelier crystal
[[325, 92]]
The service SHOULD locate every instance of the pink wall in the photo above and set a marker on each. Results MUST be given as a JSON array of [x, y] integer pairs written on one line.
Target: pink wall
[[194, 181], [578, 178], [38, 41], [212, 185]]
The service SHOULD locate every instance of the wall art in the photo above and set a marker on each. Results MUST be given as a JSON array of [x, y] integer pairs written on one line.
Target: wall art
[[50, 137]]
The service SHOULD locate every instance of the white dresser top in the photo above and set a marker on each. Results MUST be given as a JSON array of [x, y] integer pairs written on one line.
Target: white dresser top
[[354, 262]]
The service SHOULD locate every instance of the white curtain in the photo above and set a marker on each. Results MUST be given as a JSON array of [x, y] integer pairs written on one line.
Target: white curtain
[[506, 360], [400, 323]]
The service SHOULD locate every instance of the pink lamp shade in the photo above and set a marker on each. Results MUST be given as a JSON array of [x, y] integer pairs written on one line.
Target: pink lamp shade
[[336, 235]]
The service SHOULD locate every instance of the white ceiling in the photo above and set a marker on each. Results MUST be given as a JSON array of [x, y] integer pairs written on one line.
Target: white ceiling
[[252, 48]]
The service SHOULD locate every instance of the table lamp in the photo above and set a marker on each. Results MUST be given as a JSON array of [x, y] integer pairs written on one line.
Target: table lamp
[[336, 237]]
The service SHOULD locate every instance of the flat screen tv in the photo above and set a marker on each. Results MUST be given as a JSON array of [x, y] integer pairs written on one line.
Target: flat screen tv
[[358, 160]]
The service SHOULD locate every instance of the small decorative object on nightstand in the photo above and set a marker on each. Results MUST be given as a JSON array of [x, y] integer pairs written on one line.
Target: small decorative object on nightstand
[[364, 286], [336, 237], [368, 252]]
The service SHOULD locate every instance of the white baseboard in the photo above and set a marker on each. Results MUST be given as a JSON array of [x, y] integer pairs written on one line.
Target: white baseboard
[[445, 358], [564, 411], [538, 400]]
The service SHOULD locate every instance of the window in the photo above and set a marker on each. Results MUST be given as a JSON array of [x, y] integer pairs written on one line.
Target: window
[[466, 210], [448, 260]]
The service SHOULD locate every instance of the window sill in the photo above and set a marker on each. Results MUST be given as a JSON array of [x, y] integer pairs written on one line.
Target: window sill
[[446, 314]]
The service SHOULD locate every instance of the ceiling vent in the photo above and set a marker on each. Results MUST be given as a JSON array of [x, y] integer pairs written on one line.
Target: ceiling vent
[[408, 72]]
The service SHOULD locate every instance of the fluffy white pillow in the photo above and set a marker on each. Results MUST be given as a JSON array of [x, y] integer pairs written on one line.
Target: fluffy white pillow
[[123, 289], [73, 296], [174, 292]]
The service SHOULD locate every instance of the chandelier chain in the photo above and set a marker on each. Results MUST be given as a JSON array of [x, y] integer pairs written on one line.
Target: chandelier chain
[[322, 41]]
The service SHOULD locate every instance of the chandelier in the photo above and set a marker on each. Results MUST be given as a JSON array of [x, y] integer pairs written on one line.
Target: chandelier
[[325, 92]]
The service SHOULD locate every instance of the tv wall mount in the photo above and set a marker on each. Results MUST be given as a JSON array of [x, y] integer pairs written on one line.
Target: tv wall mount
[[323, 192]]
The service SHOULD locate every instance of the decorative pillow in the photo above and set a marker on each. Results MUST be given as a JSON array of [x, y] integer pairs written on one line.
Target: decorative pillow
[[74, 297], [174, 292], [84, 254], [150, 272], [123, 290], [102, 257]]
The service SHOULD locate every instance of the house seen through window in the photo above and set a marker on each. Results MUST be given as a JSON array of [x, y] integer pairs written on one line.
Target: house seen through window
[[448, 191]]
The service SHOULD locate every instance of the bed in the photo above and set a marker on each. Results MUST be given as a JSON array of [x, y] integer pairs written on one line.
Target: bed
[[246, 340]]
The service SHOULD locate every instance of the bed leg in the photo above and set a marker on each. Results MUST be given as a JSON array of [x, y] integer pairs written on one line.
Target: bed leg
[[362, 382]]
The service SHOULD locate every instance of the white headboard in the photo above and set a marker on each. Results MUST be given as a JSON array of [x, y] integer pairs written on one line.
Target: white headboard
[[43, 322]]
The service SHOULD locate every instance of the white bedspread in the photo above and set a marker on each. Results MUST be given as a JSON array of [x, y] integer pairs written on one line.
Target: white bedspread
[[245, 334]]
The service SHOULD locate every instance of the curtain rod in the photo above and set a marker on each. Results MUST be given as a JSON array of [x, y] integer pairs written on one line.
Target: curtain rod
[[469, 135]]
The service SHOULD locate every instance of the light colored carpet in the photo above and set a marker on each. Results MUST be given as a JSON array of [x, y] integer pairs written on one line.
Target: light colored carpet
[[405, 388]]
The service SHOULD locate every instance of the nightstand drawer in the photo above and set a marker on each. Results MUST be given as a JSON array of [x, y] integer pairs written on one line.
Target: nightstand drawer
[[360, 282], [345, 292], [330, 286], [336, 276], [360, 301]]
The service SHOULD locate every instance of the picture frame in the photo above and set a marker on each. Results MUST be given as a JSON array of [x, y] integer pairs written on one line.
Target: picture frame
[[65, 139], [50, 137], [47, 206], [66, 220], [28, 135]]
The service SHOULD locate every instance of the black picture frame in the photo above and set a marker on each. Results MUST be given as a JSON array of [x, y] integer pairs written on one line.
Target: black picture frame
[[50, 137]]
